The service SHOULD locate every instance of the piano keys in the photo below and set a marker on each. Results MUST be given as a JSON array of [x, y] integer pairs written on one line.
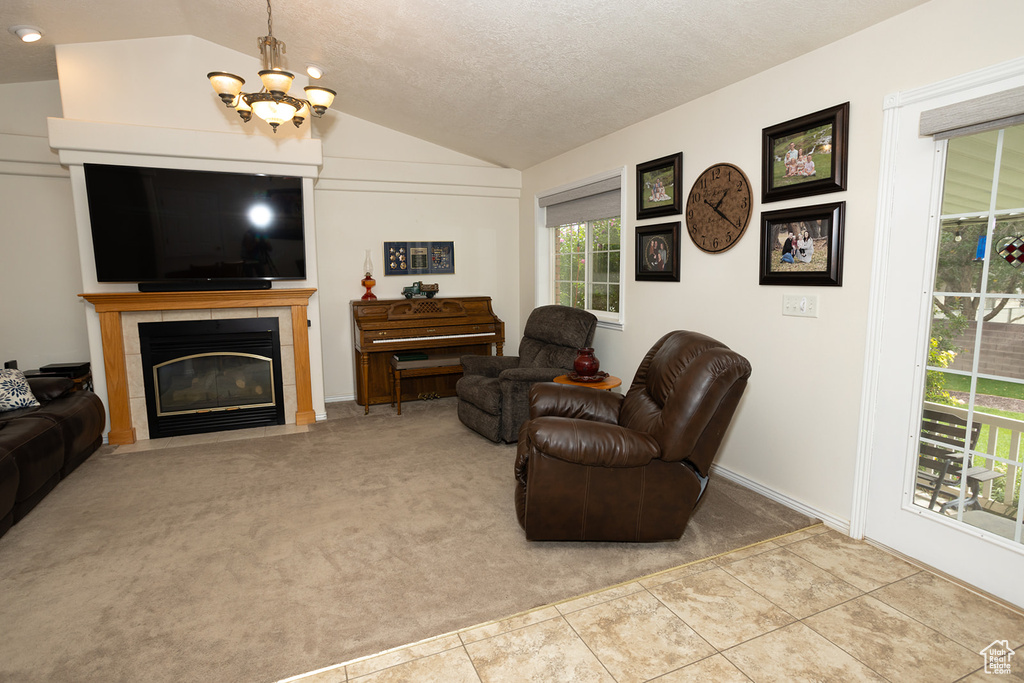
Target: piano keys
[[383, 327]]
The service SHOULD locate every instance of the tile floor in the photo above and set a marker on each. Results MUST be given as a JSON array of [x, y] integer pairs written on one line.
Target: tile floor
[[809, 606]]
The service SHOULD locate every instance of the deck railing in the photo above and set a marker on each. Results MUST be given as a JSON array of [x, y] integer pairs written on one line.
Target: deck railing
[[993, 428]]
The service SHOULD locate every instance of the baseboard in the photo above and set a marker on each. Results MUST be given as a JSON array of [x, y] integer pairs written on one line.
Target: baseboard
[[339, 399], [831, 521]]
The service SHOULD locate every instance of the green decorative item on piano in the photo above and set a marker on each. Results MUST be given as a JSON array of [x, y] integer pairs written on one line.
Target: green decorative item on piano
[[420, 289]]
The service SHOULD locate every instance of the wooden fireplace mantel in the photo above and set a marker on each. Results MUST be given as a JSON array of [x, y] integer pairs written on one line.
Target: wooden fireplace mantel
[[110, 306]]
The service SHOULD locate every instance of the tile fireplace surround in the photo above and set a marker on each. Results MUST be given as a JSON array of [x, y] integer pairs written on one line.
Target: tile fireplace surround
[[120, 313]]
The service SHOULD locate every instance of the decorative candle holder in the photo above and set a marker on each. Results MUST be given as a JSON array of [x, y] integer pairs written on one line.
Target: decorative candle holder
[[368, 281]]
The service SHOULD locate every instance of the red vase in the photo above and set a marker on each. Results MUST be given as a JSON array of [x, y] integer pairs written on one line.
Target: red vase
[[586, 364]]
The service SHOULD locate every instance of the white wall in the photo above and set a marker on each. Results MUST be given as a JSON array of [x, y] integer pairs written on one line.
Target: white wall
[[39, 275], [797, 427], [378, 185]]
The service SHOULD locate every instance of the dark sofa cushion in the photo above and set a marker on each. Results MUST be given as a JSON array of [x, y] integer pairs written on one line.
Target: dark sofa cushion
[[37, 446], [81, 417], [8, 488], [47, 389]]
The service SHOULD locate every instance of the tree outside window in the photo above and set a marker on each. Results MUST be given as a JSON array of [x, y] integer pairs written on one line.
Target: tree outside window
[[587, 265]]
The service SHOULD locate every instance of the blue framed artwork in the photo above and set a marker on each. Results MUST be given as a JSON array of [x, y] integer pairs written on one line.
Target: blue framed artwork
[[419, 258]]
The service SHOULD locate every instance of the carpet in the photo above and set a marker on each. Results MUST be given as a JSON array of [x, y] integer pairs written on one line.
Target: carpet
[[257, 559]]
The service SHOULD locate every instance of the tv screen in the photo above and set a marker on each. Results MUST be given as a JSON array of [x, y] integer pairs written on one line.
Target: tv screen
[[157, 224]]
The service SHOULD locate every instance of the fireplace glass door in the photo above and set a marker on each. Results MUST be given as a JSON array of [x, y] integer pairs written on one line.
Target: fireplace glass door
[[213, 381]]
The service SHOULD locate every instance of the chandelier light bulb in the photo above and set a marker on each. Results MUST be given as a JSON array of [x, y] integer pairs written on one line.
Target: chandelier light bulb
[[276, 81], [273, 104], [228, 86], [319, 98]]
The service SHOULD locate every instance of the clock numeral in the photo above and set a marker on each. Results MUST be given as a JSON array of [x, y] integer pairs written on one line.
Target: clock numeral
[[728, 238], [714, 243]]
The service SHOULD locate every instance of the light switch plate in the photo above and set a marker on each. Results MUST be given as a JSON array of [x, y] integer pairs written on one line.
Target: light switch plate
[[803, 305]]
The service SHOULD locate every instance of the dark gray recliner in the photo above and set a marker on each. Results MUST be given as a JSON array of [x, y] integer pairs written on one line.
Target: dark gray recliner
[[494, 390]]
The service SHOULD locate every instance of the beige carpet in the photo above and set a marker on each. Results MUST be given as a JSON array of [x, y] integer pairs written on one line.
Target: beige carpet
[[259, 559]]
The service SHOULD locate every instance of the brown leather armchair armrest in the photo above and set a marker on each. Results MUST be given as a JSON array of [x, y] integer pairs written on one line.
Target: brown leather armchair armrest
[[584, 442], [566, 400], [488, 366]]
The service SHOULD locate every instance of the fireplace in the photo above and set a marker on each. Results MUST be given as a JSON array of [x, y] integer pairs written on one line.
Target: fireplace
[[211, 375]]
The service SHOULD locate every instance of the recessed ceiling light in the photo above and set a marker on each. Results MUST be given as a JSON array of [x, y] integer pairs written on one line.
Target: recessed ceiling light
[[28, 34], [314, 70]]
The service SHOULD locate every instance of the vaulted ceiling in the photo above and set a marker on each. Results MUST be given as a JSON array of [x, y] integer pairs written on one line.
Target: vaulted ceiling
[[512, 82]]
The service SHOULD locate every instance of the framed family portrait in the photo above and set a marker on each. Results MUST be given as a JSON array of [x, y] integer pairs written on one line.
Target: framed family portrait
[[803, 246], [657, 252], [805, 156], [658, 187]]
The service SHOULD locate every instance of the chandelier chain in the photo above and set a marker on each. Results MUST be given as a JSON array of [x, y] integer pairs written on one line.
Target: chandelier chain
[[270, 20]]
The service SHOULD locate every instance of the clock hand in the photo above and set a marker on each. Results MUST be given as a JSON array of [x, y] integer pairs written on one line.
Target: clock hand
[[716, 210], [720, 200]]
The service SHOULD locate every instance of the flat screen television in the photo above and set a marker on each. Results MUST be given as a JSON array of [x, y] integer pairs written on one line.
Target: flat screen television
[[171, 226]]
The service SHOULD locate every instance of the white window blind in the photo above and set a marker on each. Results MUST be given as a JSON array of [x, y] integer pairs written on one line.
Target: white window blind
[[590, 202], [999, 110]]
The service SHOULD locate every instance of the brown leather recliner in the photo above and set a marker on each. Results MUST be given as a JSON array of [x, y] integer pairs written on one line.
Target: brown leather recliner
[[599, 466]]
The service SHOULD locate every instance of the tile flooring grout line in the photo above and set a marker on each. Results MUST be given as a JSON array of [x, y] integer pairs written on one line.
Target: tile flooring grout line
[[834, 576], [472, 662], [855, 656], [587, 645]]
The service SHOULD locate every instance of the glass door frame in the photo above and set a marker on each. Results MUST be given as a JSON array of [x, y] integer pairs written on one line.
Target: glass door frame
[[898, 319]]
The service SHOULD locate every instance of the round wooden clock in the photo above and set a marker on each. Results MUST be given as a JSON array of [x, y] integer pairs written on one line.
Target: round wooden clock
[[718, 209]]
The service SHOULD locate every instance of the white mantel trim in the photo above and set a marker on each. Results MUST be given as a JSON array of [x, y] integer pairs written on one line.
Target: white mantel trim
[[80, 142]]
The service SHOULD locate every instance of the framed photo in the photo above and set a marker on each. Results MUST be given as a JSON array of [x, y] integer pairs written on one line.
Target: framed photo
[[658, 191], [657, 252], [419, 258], [805, 156], [803, 246]]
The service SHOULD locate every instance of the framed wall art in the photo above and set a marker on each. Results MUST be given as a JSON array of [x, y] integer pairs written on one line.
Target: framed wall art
[[419, 258], [805, 156], [657, 252], [658, 187], [803, 246]]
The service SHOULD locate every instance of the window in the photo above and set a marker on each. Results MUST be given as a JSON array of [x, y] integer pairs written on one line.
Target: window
[[579, 259], [974, 374], [586, 273]]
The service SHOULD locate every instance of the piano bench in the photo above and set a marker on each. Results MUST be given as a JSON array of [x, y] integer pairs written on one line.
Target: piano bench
[[434, 365]]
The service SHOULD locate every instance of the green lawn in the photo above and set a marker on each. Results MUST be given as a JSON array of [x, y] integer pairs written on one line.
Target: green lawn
[[990, 387]]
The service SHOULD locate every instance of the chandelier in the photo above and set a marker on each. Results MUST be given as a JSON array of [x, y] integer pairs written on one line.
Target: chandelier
[[272, 103]]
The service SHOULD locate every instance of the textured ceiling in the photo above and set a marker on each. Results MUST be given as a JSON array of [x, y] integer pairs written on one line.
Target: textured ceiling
[[512, 82]]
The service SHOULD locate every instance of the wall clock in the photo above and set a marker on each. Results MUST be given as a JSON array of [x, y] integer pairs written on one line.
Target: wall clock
[[718, 209]]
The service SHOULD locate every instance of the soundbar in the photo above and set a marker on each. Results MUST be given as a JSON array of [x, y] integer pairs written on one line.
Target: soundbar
[[202, 285]]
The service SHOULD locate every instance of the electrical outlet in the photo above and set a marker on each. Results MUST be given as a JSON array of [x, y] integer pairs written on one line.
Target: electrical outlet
[[803, 305]]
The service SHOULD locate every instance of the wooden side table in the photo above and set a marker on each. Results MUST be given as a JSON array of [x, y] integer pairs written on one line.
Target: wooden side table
[[607, 384]]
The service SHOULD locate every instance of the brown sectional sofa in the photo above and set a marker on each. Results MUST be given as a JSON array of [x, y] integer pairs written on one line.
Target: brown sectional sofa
[[40, 446]]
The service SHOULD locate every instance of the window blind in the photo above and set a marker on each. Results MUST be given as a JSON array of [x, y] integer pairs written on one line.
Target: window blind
[[990, 112], [590, 202]]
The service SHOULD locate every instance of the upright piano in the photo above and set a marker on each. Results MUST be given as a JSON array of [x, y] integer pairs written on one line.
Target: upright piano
[[383, 327]]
